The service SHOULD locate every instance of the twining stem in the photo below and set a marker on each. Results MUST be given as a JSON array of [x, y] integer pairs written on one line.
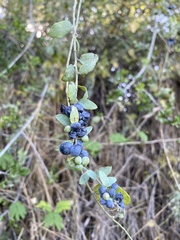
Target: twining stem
[[91, 191], [73, 44]]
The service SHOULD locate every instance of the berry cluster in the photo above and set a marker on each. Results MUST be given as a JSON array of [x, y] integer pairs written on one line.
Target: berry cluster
[[77, 134], [110, 197]]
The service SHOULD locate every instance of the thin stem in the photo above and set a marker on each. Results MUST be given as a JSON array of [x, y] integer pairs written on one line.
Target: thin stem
[[109, 214]]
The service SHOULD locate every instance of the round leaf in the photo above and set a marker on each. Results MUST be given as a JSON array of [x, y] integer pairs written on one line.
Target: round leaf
[[60, 29], [69, 74]]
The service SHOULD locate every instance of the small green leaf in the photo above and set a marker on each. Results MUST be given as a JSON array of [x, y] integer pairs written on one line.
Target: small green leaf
[[44, 206], [69, 74], [60, 29], [91, 174], [63, 205], [17, 210], [72, 93], [87, 104], [84, 179], [53, 219], [107, 170], [127, 198], [89, 129], [74, 115], [85, 90], [24, 171], [6, 161], [111, 181], [117, 138], [143, 136], [63, 119], [103, 177], [88, 61]]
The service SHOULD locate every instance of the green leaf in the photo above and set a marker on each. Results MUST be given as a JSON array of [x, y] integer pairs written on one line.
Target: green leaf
[[69, 74], [96, 191], [53, 219], [89, 129], [17, 210], [88, 61], [111, 181], [60, 29], [117, 138], [127, 198], [72, 93], [87, 104], [24, 171], [107, 170], [85, 90], [84, 179], [63, 205], [143, 136], [103, 177], [93, 146], [74, 115], [91, 174], [6, 161], [63, 119], [44, 206]]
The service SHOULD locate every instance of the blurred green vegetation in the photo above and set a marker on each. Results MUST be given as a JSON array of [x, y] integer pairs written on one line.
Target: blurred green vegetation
[[120, 33]]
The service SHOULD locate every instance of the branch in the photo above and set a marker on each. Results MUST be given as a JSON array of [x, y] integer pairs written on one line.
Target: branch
[[27, 123], [27, 45]]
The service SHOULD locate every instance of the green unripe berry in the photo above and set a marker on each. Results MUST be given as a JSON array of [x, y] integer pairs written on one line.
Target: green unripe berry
[[85, 138], [71, 163], [79, 167], [85, 161], [106, 196], [67, 129], [78, 160]]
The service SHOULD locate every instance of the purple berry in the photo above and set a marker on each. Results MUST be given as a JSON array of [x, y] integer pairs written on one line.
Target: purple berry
[[81, 132], [115, 186], [112, 192], [109, 203], [79, 107], [102, 201], [119, 197], [75, 126], [84, 153], [121, 204], [102, 189], [65, 148], [72, 134], [76, 150]]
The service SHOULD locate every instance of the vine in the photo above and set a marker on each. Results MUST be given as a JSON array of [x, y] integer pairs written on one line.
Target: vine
[[75, 118]]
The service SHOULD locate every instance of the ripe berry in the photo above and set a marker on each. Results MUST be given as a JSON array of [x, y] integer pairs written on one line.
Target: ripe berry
[[115, 186], [81, 132], [80, 142], [79, 107], [102, 189], [75, 126], [72, 134], [65, 148], [84, 153], [65, 110], [109, 203], [102, 201], [76, 150], [119, 197], [121, 204], [112, 192]]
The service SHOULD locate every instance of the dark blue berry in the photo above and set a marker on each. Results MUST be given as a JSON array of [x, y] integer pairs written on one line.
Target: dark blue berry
[[81, 132], [109, 203], [115, 186], [119, 197], [65, 110], [72, 134], [80, 142], [76, 150], [65, 148], [84, 153], [112, 192], [79, 107], [85, 115], [102, 201], [75, 126], [121, 204], [102, 189], [171, 42], [83, 123]]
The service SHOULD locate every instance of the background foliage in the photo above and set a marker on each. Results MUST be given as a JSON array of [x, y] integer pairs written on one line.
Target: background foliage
[[136, 132]]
